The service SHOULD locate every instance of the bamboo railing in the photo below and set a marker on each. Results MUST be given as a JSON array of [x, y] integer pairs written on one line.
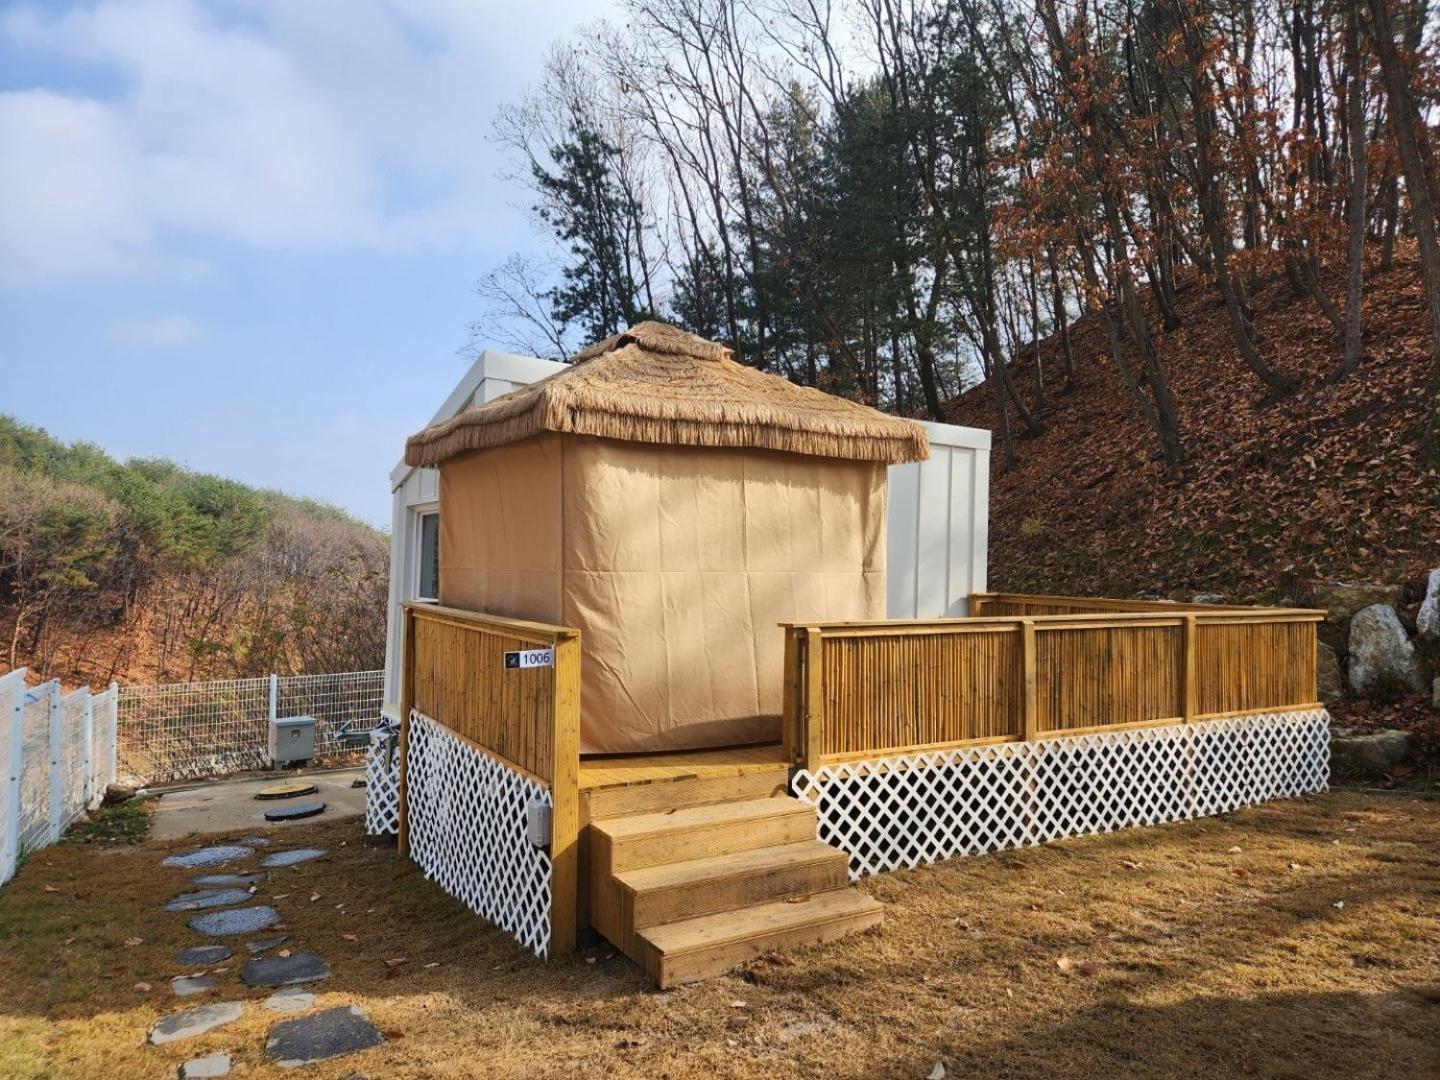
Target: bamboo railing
[[858, 690], [528, 718], [1031, 604]]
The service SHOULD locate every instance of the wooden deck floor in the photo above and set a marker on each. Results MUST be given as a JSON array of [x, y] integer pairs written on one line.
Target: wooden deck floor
[[622, 769]]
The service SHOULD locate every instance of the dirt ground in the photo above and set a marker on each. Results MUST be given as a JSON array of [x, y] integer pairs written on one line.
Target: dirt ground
[[1297, 939]]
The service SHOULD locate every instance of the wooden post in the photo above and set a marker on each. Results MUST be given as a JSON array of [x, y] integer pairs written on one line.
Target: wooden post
[[1031, 705], [1188, 669], [407, 702], [814, 699], [565, 795], [788, 711]]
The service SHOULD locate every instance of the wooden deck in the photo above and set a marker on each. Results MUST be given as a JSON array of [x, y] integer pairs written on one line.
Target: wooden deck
[[616, 770]]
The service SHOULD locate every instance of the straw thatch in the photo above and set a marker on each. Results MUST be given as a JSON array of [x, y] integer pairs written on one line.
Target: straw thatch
[[654, 383]]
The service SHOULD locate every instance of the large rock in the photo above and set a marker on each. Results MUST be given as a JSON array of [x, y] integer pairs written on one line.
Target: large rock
[[1342, 599], [1428, 621], [1382, 657], [1327, 673], [1367, 753], [320, 1036]]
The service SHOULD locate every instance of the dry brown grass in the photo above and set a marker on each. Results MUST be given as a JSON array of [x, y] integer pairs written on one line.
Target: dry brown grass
[[1185, 958]]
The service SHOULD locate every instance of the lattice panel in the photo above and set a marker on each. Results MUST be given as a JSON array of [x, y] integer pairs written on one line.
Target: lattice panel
[[467, 820], [382, 785], [904, 811]]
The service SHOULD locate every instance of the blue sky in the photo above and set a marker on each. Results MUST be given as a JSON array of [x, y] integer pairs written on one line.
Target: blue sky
[[244, 234]]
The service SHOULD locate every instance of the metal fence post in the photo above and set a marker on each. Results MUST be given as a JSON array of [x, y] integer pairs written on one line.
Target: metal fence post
[[87, 778], [12, 712], [274, 696], [114, 734], [57, 785]]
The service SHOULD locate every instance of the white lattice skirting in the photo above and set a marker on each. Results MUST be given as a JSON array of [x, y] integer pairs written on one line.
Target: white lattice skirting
[[382, 788], [904, 811], [468, 831]]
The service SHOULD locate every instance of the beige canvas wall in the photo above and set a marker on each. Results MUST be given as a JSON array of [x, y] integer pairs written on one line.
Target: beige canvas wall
[[678, 564], [500, 530], [675, 563]]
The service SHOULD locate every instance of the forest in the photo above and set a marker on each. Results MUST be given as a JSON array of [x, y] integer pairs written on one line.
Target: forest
[[898, 201], [147, 572]]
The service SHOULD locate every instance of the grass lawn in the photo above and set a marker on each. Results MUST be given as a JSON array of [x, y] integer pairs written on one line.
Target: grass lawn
[[1297, 939]]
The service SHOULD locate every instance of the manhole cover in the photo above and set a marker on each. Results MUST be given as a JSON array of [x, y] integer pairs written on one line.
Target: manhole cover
[[291, 789]]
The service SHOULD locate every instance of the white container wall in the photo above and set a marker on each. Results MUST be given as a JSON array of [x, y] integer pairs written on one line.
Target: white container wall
[[937, 526]]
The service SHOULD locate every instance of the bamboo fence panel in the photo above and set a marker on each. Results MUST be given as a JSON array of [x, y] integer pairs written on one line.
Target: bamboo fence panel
[[1251, 666], [1098, 676], [528, 718], [856, 690], [1027, 604]]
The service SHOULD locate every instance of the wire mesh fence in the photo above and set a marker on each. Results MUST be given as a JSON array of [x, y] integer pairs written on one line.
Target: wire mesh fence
[[187, 731], [56, 760]]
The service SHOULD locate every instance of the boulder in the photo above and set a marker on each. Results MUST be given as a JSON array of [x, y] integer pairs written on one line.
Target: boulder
[[1428, 620], [1382, 657], [118, 793], [1367, 753], [1342, 599], [1327, 673]]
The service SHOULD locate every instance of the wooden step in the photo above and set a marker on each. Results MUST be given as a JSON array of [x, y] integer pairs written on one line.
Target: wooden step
[[620, 800], [693, 832], [653, 895], [681, 952]]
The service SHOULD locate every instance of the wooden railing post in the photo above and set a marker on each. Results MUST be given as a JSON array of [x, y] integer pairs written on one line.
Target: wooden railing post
[[565, 799], [789, 710], [1189, 674], [407, 702], [814, 699], [1031, 705]]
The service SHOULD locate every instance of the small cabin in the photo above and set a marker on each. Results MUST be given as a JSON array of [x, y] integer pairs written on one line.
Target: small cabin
[[703, 648], [675, 507]]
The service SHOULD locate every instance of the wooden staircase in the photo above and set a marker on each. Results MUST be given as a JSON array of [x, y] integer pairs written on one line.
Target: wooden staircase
[[694, 890]]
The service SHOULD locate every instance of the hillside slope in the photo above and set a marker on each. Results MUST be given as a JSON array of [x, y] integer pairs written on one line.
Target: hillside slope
[[143, 571], [1336, 482]]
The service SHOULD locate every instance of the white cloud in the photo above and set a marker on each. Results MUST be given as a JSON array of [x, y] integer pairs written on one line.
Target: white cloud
[[160, 332], [276, 125]]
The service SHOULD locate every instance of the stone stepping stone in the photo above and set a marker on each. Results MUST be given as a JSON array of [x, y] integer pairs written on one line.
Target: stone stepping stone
[[192, 1022], [291, 999], [300, 967], [267, 943], [203, 956], [190, 985], [291, 789], [222, 881], [290, 858], [320, 1036], [208, 898], [295, 813], [208, 857], [209, 1067], [245, 920]]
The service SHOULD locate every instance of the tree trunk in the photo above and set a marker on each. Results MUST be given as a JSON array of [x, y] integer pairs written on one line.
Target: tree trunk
[[1355, 270], [1407, 123]]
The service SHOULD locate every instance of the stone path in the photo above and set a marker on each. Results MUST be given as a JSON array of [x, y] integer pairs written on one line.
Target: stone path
[[300, 967], [208, 898], [245, 920], [310, 1036], [291, 858], [321, 1036]]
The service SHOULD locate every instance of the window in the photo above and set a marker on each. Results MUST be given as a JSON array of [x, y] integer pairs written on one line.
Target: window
[[428, 587]]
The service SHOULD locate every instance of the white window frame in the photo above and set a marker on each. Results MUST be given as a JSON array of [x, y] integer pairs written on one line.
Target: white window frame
[[418, 516]]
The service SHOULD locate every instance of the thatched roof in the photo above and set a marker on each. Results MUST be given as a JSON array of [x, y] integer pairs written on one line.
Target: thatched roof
[[656, 384]]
